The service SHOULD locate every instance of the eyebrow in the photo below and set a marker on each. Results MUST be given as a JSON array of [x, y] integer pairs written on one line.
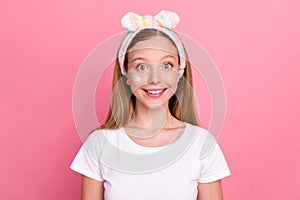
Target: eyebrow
[[143, 59], [138, 58], [169, 56]]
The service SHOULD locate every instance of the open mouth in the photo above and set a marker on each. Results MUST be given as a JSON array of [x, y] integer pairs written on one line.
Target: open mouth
[[155, 92]]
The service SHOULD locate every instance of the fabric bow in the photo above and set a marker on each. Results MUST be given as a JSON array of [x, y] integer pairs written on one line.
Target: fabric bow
[[166, 19]]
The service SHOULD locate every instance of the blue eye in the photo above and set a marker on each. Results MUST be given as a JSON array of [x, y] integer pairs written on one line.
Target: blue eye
[[141, 67], [167, 66]]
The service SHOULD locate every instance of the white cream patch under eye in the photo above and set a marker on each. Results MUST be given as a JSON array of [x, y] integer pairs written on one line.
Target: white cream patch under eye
[[136, 78]]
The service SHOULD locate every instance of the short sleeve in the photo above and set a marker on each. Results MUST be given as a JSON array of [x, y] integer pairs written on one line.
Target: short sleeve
[[86, 161], [213, 163]]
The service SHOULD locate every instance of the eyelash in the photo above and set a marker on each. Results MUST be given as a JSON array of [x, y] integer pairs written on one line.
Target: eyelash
[[168, 63], [138, 67]]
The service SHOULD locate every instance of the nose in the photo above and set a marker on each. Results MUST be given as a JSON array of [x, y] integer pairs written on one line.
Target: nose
[[154, 76]]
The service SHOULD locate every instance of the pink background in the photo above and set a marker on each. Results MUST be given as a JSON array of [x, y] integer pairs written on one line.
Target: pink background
[[255, 44]]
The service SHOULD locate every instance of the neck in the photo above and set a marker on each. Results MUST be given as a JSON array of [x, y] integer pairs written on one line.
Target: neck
[[154, 117], [148, 122]]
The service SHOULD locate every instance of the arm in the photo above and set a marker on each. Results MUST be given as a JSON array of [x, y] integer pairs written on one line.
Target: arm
[[210, 191], [91, 189]]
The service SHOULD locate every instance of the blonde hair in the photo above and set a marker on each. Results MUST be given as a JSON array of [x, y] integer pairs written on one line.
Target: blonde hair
[[181, 104]]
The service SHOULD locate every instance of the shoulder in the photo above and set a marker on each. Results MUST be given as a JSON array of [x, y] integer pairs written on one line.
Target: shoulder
[[99, 138], [204, 139], [98, 134], [201, 133]]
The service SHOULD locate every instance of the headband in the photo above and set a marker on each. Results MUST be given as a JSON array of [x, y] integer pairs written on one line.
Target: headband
[[164, 21]]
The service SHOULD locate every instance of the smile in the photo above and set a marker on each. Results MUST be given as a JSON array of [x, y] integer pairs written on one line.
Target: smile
[[154, 92]]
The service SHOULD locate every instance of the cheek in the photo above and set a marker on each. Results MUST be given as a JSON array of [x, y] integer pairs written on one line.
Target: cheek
[[134, 81], [136, 78], [172, 81], [171, 78]]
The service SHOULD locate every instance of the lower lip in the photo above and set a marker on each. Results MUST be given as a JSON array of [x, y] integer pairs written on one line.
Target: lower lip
[[155, 95]]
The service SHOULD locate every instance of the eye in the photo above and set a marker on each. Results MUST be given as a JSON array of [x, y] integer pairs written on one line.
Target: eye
[[141, 67], [167, 65]]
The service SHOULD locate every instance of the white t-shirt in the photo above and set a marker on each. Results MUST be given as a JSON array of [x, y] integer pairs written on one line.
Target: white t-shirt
[[135, 172]]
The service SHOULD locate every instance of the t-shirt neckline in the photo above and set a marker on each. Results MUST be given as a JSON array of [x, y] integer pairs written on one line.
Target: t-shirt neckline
[[136, 145]]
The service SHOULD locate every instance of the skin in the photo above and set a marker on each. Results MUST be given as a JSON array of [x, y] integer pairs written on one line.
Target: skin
[[152, 114], [210, 191], [92, 189]]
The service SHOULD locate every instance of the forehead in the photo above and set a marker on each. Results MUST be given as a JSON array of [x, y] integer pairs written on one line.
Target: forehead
[[156, 43]]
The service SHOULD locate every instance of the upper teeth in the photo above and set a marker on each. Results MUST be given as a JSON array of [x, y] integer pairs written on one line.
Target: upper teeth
[[154, 91]]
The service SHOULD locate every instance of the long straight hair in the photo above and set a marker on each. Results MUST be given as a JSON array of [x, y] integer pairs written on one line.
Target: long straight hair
[[181, 104]]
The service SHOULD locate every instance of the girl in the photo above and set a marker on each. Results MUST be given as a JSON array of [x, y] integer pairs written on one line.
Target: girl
[[150, 146]]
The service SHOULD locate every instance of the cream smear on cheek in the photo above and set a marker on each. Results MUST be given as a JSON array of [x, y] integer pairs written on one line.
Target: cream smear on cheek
[[136, 78]]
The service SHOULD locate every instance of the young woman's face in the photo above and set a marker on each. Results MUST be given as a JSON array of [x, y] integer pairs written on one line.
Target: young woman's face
[[153, 71]]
